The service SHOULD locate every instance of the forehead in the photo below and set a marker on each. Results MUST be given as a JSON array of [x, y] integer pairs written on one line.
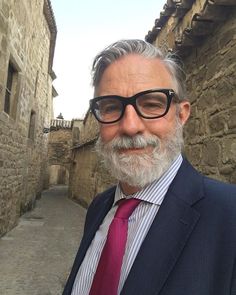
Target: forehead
[[134, 73]]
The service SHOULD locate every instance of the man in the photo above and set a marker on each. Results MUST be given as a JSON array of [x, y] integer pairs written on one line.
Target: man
[[180, 237]]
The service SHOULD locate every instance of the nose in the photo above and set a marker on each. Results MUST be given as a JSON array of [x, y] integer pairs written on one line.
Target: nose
[[131, 124]]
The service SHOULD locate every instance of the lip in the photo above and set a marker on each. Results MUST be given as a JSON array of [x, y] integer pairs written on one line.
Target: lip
[[135, 150]]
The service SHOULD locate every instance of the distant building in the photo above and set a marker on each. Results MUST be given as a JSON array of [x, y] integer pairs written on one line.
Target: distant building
[[87, 176], [59, 151], [203, 33], [27, 42]]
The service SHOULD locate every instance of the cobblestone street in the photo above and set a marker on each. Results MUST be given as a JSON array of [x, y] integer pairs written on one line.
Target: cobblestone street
[[36, 256]]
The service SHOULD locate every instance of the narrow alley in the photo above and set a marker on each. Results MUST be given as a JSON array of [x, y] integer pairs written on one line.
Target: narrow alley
[[36, 256]]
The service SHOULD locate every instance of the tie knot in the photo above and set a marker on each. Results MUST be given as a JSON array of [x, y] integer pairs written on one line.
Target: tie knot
[[126, 208]]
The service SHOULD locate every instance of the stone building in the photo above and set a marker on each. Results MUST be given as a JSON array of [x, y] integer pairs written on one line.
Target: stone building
[[27, 41], [87, 176], [59, 152], [203, 33]]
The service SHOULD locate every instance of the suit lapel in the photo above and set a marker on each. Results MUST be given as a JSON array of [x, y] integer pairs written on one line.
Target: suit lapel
[[95, 216], [168, 234], [98, 213]]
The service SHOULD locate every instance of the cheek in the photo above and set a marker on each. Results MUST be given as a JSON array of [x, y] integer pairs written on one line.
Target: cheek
[[161, 128], [107, 132], [159, 131]]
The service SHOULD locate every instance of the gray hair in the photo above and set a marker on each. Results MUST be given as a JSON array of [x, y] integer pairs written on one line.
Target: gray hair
[[135, 46]]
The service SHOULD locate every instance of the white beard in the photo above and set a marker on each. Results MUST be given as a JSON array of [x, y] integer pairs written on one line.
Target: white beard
[[139, 170]]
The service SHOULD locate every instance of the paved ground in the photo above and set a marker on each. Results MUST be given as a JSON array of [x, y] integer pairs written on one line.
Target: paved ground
[[36, 256]]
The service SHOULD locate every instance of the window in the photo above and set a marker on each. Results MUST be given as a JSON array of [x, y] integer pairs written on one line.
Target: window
[[10, 94], [32, 125]]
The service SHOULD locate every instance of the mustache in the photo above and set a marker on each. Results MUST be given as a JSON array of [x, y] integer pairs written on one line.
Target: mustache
[[137, 141]]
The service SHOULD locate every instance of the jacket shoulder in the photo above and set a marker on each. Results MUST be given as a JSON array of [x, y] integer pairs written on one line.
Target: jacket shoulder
[[220, 190], [220, 199]]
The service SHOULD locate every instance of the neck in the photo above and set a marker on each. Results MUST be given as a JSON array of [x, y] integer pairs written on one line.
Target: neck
[[128, 189]]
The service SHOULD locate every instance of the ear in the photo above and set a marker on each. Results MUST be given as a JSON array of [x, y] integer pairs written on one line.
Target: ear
[[184, 111]]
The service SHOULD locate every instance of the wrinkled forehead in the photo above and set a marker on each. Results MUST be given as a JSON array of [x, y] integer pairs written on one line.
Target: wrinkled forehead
[[134, 73]]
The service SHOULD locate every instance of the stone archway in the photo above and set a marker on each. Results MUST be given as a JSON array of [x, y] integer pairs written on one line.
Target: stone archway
[[58, 174]]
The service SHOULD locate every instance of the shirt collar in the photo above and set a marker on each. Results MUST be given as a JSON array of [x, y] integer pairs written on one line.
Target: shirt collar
[[155, 192]]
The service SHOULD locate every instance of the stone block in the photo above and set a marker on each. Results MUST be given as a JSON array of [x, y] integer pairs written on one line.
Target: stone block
[[6, 10], [232, 119], [211, 153], [226, 170], [228, 36], [225, 92], [229, 57], [193, 129], [232, 178], [230, 73], [4, 44], [3, 24], [194, 154], [209, 171], [229, 150], [217, 123], [214, 67], [207, 100]]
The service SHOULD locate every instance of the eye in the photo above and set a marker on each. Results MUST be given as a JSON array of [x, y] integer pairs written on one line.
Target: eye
[[108, 106], [152, 101], [152, 104]]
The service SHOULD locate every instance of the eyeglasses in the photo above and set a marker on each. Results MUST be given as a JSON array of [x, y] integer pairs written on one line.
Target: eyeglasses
[[149, 104]]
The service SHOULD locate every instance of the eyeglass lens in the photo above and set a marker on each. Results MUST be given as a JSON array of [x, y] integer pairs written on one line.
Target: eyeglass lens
[[149, 105], [108, 109]]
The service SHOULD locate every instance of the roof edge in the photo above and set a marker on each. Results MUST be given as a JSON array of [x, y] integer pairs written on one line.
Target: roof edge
[[50, 18]]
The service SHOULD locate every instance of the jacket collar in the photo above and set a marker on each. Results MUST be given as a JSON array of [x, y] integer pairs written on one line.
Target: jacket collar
[[168, 234]]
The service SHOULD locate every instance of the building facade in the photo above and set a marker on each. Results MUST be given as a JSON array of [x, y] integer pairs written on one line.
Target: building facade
[[59, 152], [87, 174], [27, 43], [203, 34]]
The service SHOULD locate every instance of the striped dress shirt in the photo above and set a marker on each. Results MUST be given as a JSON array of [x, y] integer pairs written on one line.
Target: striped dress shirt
[[138, 226]]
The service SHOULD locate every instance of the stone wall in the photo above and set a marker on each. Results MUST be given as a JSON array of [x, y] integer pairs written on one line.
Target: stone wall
[[211, 80], [204, 36], [88, 130], [59, 155], [77, 124], [27, 41], [87, 175]]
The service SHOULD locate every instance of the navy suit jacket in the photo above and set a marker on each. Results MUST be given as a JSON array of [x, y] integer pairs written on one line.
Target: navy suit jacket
[[190, 248]]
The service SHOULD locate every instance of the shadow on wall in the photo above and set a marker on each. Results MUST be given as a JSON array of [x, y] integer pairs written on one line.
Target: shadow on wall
[[58, 174]]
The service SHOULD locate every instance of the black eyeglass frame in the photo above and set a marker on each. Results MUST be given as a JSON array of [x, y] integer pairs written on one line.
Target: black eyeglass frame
[[170, 94]]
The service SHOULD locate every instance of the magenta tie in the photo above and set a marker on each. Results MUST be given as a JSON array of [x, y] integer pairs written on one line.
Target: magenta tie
[[107, 276]]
